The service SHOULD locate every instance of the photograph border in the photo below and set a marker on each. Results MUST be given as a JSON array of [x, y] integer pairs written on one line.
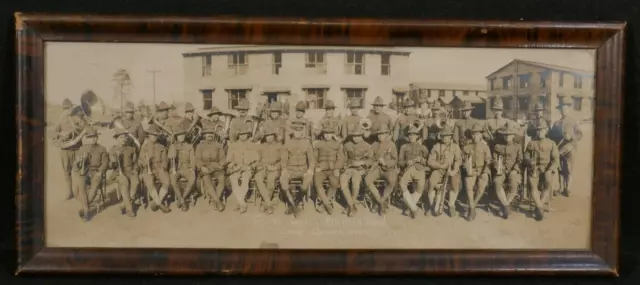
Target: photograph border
[[33, 30]]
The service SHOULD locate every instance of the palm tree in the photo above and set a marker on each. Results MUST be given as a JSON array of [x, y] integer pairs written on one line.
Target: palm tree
[[123, 83]]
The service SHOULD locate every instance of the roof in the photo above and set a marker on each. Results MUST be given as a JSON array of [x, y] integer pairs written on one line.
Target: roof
[[544, 65], [448, 86], [470, 98], [273, 48]]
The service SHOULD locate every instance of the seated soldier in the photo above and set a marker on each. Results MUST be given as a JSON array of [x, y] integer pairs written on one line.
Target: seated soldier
[[413, 159], [507, 161], [444, 161], [358, 155], [183, 165], [210, 160], [477, 158], [328, 154], [385, 162], [90, 164], [297, 163], [123, 160], [268, 170], [242, 159], [152, 161]]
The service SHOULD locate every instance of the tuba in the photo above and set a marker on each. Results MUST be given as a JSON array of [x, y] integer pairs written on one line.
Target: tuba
[[117, 122], [92, 107], [417, 124]]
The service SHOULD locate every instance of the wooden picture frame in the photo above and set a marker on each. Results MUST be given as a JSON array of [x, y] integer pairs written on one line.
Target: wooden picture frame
[[33, 30]]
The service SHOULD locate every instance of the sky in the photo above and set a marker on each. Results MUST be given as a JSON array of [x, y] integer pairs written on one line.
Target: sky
[[72, 68]]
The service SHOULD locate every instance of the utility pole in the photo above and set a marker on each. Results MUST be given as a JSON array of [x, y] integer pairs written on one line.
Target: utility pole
[[153, 74]]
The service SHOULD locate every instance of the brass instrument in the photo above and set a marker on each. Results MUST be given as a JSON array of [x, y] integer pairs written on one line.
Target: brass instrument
[[81, 163], [194, 132], [442, 192], [92, 107], [417, 124], [69, 139], [163, 128], [499, 165], [117, 122], [365, 124], [227, 121]]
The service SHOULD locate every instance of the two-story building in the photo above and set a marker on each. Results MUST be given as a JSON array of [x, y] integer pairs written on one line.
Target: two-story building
[[522, 84], [450, 95], [221, 76]]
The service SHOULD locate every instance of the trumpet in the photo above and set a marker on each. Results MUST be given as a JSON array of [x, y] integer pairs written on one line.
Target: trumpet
[[499, 165], [81, 163]]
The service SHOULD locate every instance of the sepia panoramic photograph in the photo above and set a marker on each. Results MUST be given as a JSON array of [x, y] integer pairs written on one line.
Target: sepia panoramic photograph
[[317, 147]]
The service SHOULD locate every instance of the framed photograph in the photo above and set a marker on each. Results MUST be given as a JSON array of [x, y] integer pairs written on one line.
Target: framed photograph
[[257, 146]]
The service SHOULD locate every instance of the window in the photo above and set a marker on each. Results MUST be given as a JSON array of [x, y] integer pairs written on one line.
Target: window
[[277, 62], [506, 102], [399, 97], [544, 76], [355, 63], [561, 81], [465, 93], [507, 82], [235, 95], [207, 99], [577, 81], [355, 95], [492, 84], [440, 93], [523, 80], [315, 60], [523, 105], [577, 103], [238, 62], [206, 65], [316, 97], [386, 64], [492, 101], [543, 100]]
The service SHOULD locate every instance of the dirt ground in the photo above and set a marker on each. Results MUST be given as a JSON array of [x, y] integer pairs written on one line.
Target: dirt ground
[[565, 227]]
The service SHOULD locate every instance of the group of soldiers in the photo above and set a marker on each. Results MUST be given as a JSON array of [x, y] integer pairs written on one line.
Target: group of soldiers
[[156, 153]]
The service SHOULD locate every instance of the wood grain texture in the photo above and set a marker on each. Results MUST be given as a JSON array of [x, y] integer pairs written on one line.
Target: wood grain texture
[[33, 30]]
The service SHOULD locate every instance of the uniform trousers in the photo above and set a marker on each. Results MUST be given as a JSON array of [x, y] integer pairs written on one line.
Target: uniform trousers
[[128, 186], [94, 178], [186, 173], [293, 173], [319, 178], [390, 176], [541, 197], [353, 175], [240, 184], [513, 179], [266, 183], [207, 179], [470, 181], [67, 158], [412, 174], [435, 179], [149, 181]]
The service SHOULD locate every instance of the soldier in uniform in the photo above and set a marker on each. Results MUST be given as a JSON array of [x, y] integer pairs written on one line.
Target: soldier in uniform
[[538, 114], [131, 124], [238, 123], [413, 159], [91, 163], [212, 121], [70, 123], [566, 133], [403, 123], [297, 163], [378, 118], [352, 122], [153, 165], [307, 132], [274, 123], [269, 166], [123, 159], [477, 159], [445, 161], [507, 160], [242, 159], [329, 119], [182, 161], [385, 163], [542, 160], [358, 155], [494, 124], [145, 117], [189, 112], [463, 126], [329, 157], [210, 160], [434, 124], [165, 124]]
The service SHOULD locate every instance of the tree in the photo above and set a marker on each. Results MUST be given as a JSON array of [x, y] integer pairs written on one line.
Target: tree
[[122, 86]]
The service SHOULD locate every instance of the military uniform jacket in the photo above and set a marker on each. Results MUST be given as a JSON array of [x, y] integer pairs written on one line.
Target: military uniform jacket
[[333, 121], [210, 154], [401, 128], [361, 152], [243, 153], [565, 131], [307, 131], [433, 130], [328, 154], [416, 152], [212, 125], [134, 127], [441, 155], [349, 124], [235, 126], [463, 129], [388, 152], [379, 120], [493, 125], [127, 156], [97, 157], [270, 156], [270, 124], [298, 155], [511, 156], [156, 153], [543, 154], [531, 127], [185, 156], [480, 155]]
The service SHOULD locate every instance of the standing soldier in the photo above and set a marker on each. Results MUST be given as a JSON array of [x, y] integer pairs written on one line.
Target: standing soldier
[[329, 119], [378, 117], [403, 123], [153, 165], [358, 156], [212, 121], [385, 166], [210, 160], [445, 161], [477, 158], [497, 122], [242, 159], [182, 161], [91, 162], [566, 133], [463, 126], [542, 161], [507, 161], [538, 114], [434, 124], [123, 159], [189, 112], [69, 124], [274, 123], [165, 124], [145, 117], [328, 154], [239, 123], [413, 159], [131, 124], [351, 122], [269, 166], [307, 132], [297, 163]]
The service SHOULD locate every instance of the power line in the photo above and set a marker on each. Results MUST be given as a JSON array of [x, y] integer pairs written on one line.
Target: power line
[[153, 75]]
